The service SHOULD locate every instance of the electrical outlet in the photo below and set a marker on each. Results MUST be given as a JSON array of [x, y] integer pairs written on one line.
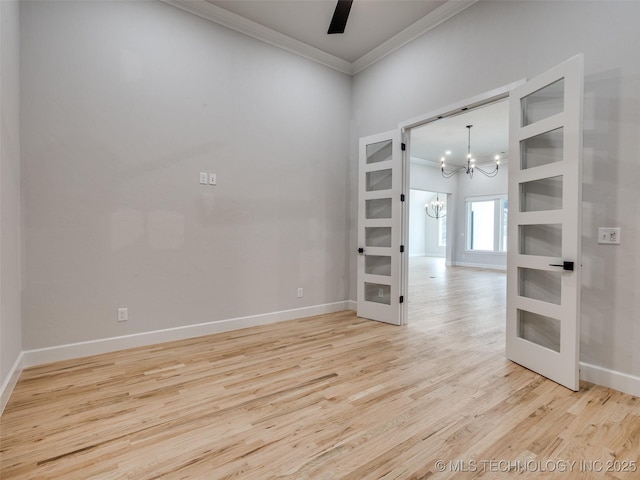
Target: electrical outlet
[[204, 178], [212, 179], [609, 236], [123, 314], [300, 292]]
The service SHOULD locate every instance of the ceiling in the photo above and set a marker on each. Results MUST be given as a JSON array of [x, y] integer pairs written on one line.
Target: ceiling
[[374, 29], [489, 136], [370, 23]]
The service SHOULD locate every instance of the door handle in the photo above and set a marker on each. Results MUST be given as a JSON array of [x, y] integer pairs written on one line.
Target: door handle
[[360, 250], [565, 265]]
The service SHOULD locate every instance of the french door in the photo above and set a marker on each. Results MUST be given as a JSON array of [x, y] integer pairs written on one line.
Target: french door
[[544, 249], [380, 251]]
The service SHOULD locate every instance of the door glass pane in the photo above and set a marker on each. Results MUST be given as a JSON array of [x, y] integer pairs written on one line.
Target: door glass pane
[[375, 292], [378, 180], [541, 240], [377, 265], [546, 102], [543, 194], [378, 208], [505, 224], [379, 152], [542, 149], [540, 285], [377, 236], [539, 329]]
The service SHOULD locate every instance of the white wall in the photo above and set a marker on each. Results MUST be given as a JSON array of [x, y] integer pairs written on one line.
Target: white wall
[[123, 104], [501, 42], [10, 240]]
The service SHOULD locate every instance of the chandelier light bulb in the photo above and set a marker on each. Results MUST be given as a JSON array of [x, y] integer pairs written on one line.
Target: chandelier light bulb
[[470, 167], [437, 207]]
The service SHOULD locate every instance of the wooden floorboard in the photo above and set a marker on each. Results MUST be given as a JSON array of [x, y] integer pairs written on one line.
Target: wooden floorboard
[[328, 397]]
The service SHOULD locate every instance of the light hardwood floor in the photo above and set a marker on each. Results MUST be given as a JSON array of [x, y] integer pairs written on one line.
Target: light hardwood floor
[[329, 397]]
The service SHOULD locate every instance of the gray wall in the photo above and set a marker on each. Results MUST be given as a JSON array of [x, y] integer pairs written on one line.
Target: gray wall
[[501, 42], [10, 239], [123, 104]]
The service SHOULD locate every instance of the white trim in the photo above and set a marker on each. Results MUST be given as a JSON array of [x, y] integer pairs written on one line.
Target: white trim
[[485, 252], [467, 104], [94, 347], [240, 24], [622, 382], [253, 29], [480, 265], [10, 382], [486, 198], [441, 14]]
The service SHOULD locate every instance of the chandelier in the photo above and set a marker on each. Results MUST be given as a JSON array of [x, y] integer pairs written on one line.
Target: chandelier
[[471, 166], [438, 208]]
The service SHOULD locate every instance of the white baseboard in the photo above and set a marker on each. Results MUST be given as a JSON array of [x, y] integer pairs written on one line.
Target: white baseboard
[[94, 347], [480, 265], [610, 378], [591, 373], [10, 382]]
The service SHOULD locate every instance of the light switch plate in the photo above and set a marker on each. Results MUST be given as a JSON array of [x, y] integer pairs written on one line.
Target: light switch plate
[[609, 235], [204, 178]]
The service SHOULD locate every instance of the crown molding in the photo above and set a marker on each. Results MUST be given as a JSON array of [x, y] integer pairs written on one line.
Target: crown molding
[[425, 162], [441, 14], [240, 24]]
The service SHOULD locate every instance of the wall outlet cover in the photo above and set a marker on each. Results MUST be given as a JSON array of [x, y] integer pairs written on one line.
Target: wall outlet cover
[[609, 235]]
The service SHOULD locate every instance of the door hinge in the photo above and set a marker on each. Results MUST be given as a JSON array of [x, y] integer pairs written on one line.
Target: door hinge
[[402, 197], [401, 298], [401, 248], [403, 146]]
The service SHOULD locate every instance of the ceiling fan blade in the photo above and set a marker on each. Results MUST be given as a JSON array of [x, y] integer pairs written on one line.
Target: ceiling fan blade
[[340, 16]]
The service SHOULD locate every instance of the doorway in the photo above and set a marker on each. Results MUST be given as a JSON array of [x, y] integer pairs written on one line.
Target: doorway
[[545, 193], [470, 232]]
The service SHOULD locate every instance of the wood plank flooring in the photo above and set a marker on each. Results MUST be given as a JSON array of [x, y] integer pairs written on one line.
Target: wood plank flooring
[[328, 397]]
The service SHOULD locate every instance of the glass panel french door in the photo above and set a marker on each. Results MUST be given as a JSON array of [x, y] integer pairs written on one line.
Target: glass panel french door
[[379, 227], [544, 251]]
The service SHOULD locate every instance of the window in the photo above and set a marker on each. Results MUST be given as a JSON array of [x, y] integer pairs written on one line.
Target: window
[[442, 231], [487, 224]]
